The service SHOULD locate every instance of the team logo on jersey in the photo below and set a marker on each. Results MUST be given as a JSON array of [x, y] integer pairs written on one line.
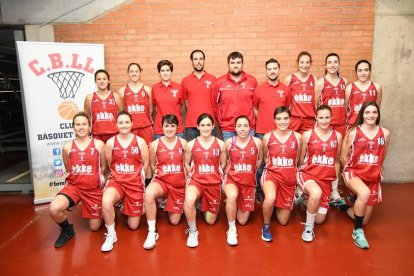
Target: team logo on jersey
[[103, 104], [81, 155], [280, 92], [242, 153], [171, 155], [124, 152], [197, 149], [362, 139], [336, 90], [206, 153], [364, 96], [243, 84], [371, 144], [315, 141], [174, 92], [135, 97], [283, 147], [324, 145], [207, 82], [97, 210], [303, 86]]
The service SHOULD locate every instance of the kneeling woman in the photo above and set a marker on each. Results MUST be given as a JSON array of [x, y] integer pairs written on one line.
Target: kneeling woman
[[85, 163], [167, 162], [245, 156], [127, 155], [319, 161], [205, 159], [363, 153]]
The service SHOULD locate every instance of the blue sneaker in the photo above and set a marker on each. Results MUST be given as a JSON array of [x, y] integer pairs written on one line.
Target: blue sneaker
[[267, 233], [359, 238]]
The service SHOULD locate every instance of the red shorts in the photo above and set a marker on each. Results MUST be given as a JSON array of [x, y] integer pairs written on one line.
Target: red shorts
[[301, 124], [285, 192], [104, 137], [145, 133], [326, 187], [245, 199], [133, 200], [210, 196], [375, 188], [175, 196], [91, 199], [340, 128]]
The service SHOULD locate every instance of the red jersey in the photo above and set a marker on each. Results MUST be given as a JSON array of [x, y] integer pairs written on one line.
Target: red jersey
[[198, 94], [358, 97], [170, 163], [320, 156], [266, 98], [126, 166], [167, 100], [303, 96], [205, 166], [241, 167], [367, 155], [103, 114], [231, 99], [282, 156], [137, 104], [84, 166], [334, 97]]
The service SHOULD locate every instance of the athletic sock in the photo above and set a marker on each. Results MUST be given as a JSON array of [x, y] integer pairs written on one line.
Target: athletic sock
[[310, 219], [192, 225], [151, 225], [232, 225], [110, 228], [358, 222], [64, 224]]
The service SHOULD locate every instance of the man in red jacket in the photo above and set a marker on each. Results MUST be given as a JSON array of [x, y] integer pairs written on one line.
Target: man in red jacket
[[232, 96]]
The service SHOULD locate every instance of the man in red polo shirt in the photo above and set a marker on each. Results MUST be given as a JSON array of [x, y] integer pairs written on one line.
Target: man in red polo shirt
[[233, 96], [167, 98], [267, 96], [197, 88]]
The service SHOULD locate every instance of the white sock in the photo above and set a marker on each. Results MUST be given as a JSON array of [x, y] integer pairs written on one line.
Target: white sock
[[335, 185], [151, 225], [310, 219], [110, 228], [232, 225], [192, 225]]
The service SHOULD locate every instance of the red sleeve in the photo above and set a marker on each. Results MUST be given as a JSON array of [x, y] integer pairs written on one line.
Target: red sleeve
[[288, 96], [185, 92], [153, 99], [256, 97], [215, 95]]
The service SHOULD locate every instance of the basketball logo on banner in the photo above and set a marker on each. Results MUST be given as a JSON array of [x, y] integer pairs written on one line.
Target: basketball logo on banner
[[68, 83]]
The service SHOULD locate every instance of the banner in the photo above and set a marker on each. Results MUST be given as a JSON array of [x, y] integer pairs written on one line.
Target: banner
[[55, 78]]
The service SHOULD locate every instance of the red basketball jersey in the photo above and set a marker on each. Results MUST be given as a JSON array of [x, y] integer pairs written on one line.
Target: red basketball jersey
[[205, 166], [84, 166], [281, 156], [103, 114], [137, 104], [303, 96], [170, 163], [241, 167], [357, 98], [334, 97], [126, 166], [320, 156], [367, 155]]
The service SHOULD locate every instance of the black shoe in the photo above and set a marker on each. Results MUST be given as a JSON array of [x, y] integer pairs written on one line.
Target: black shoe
[[65, 235], [259, 196]]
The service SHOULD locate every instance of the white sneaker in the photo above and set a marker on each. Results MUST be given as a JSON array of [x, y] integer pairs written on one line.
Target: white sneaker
[[308, 234], [109, 242], [192, 240], [336, 195], [232, 237], [151, 240]]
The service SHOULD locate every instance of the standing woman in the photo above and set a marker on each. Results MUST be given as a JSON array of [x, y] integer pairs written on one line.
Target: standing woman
[[102, 107], [127, 155], [205, 159], [363, 154], [319, 164], [360, 91], [281, 149], [137, 101], [302, 85], [245, 155], [330, 91], [167, 162], [85, 164]]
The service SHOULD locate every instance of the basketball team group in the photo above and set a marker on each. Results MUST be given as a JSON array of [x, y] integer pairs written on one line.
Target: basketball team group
[[284, 143]]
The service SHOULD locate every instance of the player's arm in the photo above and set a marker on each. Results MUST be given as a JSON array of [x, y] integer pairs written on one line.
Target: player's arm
[[338, 154], [108, 150], [387, 140], [379, 96], [153, 155], [305, 139], [318, 91], [65, 155], [215, 99], [347, 96], [223, 154], [87, 105], [299, 138], [119, 102], [260, 152], [265, 140], [187, 156], [143, 147], [287, 80], [346, 146], [149, 92], [121, 92], [100, 146]]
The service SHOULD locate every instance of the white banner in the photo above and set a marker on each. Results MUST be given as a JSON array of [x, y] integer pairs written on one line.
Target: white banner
[[55, 78]]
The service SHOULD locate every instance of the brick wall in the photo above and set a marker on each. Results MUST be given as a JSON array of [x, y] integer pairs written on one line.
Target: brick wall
[[148, 31]]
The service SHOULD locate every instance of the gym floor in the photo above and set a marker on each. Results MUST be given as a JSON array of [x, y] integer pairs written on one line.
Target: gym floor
[[27, 235]]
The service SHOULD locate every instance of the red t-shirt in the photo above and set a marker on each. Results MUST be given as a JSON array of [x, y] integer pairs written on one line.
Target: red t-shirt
[[137, 104], [167, 100], [303, 96], [266, 98], [84, 166], [357, 98], [205, 166], [334, 97], [103, 114], [198, 94]]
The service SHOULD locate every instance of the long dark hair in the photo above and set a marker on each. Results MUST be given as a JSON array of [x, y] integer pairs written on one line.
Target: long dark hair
[[360, 118]]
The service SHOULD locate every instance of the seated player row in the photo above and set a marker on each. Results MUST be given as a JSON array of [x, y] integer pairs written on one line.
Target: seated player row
[[205, 158]]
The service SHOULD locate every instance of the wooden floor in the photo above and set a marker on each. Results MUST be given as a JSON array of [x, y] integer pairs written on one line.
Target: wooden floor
[[27, 235]]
